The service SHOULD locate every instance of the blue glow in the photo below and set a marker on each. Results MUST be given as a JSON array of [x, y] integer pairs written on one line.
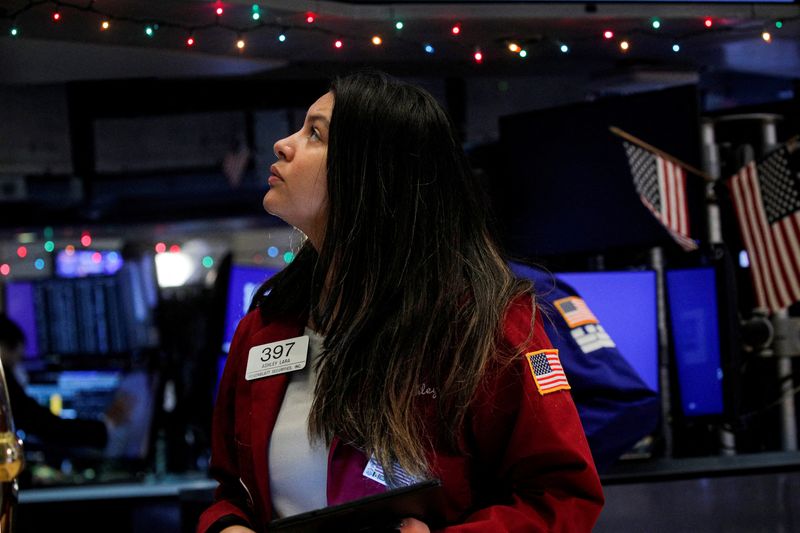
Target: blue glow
[[39, 264], [429, 49], [282, 37], [242, 285], [272, 251], [744, 259]]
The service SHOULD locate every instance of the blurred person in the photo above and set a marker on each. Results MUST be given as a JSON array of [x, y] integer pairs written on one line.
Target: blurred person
[[616, 407], [35, 419]]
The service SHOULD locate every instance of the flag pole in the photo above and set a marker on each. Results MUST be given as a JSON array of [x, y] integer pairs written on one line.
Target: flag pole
[[637, 141]]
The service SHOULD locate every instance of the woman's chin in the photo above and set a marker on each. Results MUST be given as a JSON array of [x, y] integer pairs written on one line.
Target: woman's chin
[[269, 204]]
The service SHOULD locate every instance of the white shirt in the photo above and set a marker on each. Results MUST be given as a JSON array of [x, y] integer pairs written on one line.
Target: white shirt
[[298, 469]]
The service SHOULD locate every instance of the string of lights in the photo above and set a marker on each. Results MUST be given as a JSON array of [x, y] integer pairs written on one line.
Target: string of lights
[[39, 249], [653, 28]]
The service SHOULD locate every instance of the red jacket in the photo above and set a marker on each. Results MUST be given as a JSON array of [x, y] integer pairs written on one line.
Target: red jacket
[[528, 466]]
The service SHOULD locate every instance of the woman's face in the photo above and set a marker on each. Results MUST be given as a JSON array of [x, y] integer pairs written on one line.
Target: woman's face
[[298, 182]]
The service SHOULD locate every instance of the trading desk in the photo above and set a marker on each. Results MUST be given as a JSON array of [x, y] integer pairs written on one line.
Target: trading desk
[[149, 506]]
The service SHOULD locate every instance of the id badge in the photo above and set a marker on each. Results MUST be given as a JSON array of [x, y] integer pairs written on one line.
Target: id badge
[[374, 471], [275, 358]]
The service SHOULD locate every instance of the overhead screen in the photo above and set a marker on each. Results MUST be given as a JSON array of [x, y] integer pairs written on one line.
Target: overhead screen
[[564, 184], [86, 314]]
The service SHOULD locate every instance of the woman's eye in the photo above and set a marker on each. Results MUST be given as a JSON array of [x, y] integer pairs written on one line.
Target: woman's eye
[[314, 134]]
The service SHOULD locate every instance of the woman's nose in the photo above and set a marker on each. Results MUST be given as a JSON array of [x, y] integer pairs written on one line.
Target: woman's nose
[[283, 149]]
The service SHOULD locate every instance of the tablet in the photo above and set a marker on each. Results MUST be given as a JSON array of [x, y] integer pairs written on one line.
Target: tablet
[[378, 513]]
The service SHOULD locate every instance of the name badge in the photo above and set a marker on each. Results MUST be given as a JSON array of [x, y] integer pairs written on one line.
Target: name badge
[[277, 358], [374, 471]]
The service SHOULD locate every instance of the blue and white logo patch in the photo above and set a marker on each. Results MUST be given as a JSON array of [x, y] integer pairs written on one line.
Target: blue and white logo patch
[[592, 337]]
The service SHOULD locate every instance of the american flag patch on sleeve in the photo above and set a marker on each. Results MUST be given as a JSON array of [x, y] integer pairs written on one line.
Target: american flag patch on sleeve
[[575, 311], [547, 371]]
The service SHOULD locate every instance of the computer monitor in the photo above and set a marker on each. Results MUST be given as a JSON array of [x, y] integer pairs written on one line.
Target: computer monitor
[[556, 181], [242, 284], [692, 302], [625, 303], [75, 394], [82, 263], [90, 315], [87, 395], [19, 307]]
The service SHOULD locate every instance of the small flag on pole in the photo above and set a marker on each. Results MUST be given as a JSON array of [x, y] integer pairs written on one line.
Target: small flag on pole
[[235, 163], [661, 185], [766, 197]]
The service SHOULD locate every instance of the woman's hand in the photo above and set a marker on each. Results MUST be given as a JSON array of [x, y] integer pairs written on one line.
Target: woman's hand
[[412, 525], [237, 529]]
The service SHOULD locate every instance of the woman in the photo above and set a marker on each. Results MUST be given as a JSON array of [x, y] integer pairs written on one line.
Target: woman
[[425, 354]]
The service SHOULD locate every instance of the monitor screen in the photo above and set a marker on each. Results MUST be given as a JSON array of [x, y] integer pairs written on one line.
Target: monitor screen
[[75, 394], [19, 307], [84, 315], [82, 263], [558, 180], [242, 284], [625, 303], [692, 301], [87, 394]]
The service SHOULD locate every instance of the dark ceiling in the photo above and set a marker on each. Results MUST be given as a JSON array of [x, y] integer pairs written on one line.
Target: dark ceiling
[[75, 46]]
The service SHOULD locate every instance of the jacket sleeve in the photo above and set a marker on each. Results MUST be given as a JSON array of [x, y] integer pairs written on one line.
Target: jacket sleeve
[[231, 501], [535, 469], [615, 405]]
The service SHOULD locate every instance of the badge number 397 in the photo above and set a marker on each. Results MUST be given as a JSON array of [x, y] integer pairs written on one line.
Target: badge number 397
[[278, 357]]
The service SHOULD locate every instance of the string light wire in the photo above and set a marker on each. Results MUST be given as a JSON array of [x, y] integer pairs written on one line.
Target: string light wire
[[216, 21]]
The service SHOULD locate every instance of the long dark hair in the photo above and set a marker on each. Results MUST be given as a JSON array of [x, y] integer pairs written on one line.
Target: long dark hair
[[408, 288]]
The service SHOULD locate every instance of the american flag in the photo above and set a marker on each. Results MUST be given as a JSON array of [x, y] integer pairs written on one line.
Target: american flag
[[766, 197], [547, 371], [575, 311], [661, 185], [235, 163]]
